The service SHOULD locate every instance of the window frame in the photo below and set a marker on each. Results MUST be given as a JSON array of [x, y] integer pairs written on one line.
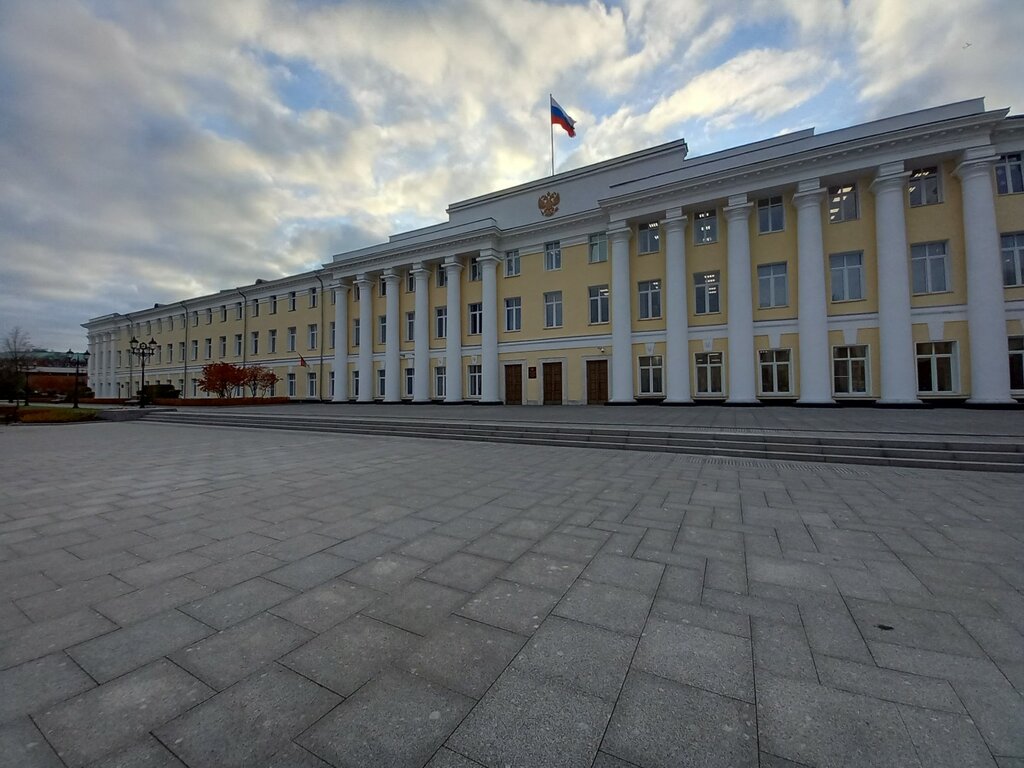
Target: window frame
[[513, 263], [650, 373], [848, 362], [928, 183], [924, 256], [254, 342], [441, 322], [705, 227], [841, 199], [314, 297], [597, 248], [311, 384], [648, 303], [1012, 256], [382, 329], [773, 278], [292, 337], [475, 271], [768, 208], [708, 366], [553, 256], [313, 335], [845, 270], [513, 312], [553, 309], [775, 361], [598, 304], [410, 326], [440, 381], [475, 380], [474, 318], [272, 341], [382, 382], [648, 238], [712, 290], [1009, 170], [934, 357], [1015, 345]]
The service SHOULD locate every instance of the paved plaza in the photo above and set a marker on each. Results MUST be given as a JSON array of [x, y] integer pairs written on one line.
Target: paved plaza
[[208, 597]]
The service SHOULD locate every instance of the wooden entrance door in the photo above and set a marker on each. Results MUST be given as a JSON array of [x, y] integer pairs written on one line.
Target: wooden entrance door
[[552, 383], [513, 385], [597, 382]]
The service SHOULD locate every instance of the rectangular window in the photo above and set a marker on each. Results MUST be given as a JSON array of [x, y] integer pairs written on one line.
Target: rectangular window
[[474, 269], [649, 304], [330, 384], [291, 301], [705, 227], [410, 381], [928, 267], [512, 265], [410, 326], [355, 383], [223, 346], [333, 327], [651, 375], [170, 353], [209, 316], [313, 297], [272, 341], [1016, 344], [842, 203], [553, 309], [772, 285], [442, 276], [847, 275], [291, 385], [311, 384], [355, 292], [223, 313], [312, 333], [514, 314], [238, 310], [598, 299], [254, 342], [440, 322], [774, 371], [410, 281], [648, 238], [355, 332], [937, 367], [440, 381], [382, 382], [850, 370], [1010, 174], [476, 380], [255, 307], [195, 319], [382, 286], [708, 367], [707, 297], [238, 345], [924, 187], [770, 215], [273, 305], [552, 255], [195, 387], [195, 349], [382, 329], [208, 348], [598, 252], [292, 333], [476, 318], [1013, 258]]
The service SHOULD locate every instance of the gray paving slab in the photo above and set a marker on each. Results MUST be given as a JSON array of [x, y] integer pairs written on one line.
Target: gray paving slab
[[138, 644], [347, 656], [397, 720], [147, 753], [112, 716], [565, 725], [462, 655], [249, 722], [465, 571], [659, 723], [230, 606], [22, 745], [749, 555]]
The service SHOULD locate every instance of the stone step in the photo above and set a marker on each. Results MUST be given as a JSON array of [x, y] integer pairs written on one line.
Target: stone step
[[829, 448]]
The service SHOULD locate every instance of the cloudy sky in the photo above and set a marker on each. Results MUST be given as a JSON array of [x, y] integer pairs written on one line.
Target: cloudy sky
[[152, 150]]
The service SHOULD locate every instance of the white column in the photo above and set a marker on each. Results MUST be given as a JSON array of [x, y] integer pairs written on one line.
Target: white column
[[453, 352], [677, 344], [340, 341], [986, 309], [812, 311], [366, 382], [392, 351], [109, 362], [421, 380], [491, 393], [899, 375], [740, 304], [90, 366], [622, 317]]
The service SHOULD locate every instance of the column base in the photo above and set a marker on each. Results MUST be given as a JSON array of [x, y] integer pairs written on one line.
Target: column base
[[994, 403]]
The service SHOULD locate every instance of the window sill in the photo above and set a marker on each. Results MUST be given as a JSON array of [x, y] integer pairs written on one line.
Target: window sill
[[912, 206], [933, 293], [772, 232], [705, 314], [709, 242], [648, 253], [602, 322]]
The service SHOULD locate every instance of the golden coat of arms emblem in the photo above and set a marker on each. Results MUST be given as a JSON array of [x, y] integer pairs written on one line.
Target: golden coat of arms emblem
[[548, 203]]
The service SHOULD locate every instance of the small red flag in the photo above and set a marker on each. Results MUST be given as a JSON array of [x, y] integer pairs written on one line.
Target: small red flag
[[302, 362]]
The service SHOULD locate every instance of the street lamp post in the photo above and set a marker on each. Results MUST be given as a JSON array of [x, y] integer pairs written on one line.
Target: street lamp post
[[143, 351], [78, 360]]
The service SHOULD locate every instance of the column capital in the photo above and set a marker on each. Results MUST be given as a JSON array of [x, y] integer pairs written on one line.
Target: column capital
[[618, 230], [340, 284], [488, 256], [452, 266], [363, 280], [737, 211], [806, 198], [884, 182], [976, 160], [419, 268], [391, 276], [675, 221]]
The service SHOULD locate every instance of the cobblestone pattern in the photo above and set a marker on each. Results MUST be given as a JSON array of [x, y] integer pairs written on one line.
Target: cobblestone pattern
[[214, 597]]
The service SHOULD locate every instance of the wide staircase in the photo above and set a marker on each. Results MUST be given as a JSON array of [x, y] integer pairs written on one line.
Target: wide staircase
[[958, 452]]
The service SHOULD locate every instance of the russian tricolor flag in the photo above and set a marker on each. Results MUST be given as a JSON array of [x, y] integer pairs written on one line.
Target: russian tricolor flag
[[560, 117]]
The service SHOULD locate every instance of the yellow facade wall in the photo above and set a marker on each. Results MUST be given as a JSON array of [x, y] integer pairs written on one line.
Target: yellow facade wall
[[942, 221], [855, 235]]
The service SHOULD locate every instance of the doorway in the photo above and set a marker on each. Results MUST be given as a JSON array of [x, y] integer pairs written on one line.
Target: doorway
[[552, 383], [514, 384], [597, 382]]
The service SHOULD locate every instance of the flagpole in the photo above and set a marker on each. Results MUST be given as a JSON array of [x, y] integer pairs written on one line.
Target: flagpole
[[552, 127]]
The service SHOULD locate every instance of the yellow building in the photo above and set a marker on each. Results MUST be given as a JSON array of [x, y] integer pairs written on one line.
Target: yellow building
[[882, 262]]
